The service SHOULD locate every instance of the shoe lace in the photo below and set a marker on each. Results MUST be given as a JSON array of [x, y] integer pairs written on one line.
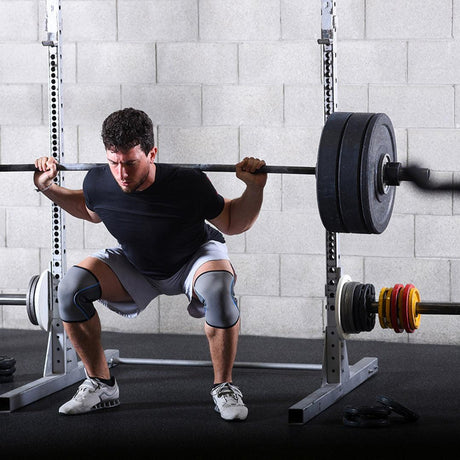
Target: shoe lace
[[228, 391], [88, 386]]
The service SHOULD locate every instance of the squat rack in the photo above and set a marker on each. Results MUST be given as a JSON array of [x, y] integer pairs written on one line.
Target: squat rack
[[62, 367]]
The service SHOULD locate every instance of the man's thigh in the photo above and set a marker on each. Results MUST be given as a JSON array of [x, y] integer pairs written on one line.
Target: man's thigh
[[112, 289]]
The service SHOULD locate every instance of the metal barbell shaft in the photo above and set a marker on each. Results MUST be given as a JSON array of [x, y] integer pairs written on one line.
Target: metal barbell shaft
[[427, 308], [203, 167]]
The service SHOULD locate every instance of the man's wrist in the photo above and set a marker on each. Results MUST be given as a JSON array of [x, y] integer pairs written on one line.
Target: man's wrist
[[44, 189]]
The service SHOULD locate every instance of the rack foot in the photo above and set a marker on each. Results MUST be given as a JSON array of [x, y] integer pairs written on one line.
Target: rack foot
[[329, 393]]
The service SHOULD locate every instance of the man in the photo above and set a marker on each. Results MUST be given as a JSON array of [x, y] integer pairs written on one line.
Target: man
[[157, 213]]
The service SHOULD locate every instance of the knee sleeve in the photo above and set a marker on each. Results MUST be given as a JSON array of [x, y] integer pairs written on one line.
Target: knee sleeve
[[76, 293], [215, 291]]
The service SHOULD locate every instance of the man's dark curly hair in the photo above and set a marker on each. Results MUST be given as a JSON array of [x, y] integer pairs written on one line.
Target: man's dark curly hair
[[126, 128]]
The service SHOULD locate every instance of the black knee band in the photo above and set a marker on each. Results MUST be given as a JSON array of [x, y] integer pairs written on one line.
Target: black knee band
[[76, 293], [215, 291]]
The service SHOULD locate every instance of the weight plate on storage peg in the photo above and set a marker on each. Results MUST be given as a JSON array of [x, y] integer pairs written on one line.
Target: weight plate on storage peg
[[30, 300], [379, 147], [394, 316], [327, 168], [344, 279], [347, 307]]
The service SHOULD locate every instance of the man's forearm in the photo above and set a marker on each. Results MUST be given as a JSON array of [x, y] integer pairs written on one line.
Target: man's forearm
[[245, 210]]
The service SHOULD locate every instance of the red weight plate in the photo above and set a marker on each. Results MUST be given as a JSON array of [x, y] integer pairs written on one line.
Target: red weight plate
[[394, 308], [405, 307]]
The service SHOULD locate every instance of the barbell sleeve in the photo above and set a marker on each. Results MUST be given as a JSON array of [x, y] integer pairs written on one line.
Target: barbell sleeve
[[426, 308]]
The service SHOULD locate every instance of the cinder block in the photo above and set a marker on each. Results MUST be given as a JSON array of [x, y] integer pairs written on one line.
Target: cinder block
[[28, 227], [281, 317], [204, 63], [410, 199], [18, 184], [430, 276], [434, 148], [396, 241], [86, 104], [2, 227], [21, 104], [286, 233], [35, 144], [299, 194], [247, 105], [215, 144], [173, 105], [279, 62], [115, 63], [257, 274], [98, 237], [17, 267], [437, 329], [455, 280], [15, 317], [353, 98], [437, 236], [414, 106], [174, 317], [23, 63], [303, 106], [89, 20], [281, 146], [300, 20], [147, 322], [19, 21], [410, 19], [363, 62], [433, 62], [157, 20], [235, 20], [302, 275]]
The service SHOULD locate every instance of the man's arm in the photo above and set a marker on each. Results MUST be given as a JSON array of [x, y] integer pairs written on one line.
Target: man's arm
[[72, 201], [240, 213]]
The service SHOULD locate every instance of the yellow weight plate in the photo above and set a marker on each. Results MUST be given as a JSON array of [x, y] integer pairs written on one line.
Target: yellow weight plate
[[381, 308], [388, 307], [414, 317]]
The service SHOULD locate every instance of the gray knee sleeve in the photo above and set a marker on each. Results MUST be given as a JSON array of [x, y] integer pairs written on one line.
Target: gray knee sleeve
[[76, 293], [215, 291]]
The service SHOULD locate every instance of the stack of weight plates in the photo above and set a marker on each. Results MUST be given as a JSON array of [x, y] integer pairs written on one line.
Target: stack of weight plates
[[7, 368]]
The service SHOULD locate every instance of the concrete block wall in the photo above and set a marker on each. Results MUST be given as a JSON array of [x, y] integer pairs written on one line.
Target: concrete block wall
[[223, 79]]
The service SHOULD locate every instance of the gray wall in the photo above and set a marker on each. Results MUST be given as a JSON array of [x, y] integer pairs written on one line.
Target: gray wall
[[223, 79]]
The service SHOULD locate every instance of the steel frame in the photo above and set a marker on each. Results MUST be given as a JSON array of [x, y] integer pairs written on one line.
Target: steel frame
[[62, 367]]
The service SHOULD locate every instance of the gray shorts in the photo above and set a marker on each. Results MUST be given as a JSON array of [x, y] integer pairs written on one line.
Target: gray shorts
[[143, 289]]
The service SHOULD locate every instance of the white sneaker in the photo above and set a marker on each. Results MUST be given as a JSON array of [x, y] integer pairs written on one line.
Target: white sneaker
[[91, 395], [229, 402]]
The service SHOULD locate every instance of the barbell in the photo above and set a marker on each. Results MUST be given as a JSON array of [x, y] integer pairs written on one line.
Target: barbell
[[356, 172], [357, 306]]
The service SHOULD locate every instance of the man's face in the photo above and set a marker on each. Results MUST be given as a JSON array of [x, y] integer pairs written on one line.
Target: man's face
[[132, 169]]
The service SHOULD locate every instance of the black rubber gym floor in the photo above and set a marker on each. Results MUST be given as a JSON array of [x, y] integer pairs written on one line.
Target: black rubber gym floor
[[166, 412]]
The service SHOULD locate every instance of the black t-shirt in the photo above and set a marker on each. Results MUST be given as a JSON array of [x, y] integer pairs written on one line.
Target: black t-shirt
[[161, 227]]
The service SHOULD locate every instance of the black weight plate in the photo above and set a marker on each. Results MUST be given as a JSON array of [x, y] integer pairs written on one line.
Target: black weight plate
[[370, 297], [379, 141], [6, 362], [349, 173], [358, 307], [6, 372], [346, 315], [408, 414], [30, 300], [326, 171]]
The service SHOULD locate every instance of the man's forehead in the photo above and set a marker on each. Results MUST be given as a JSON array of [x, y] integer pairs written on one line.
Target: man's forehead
[[125, 154]]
